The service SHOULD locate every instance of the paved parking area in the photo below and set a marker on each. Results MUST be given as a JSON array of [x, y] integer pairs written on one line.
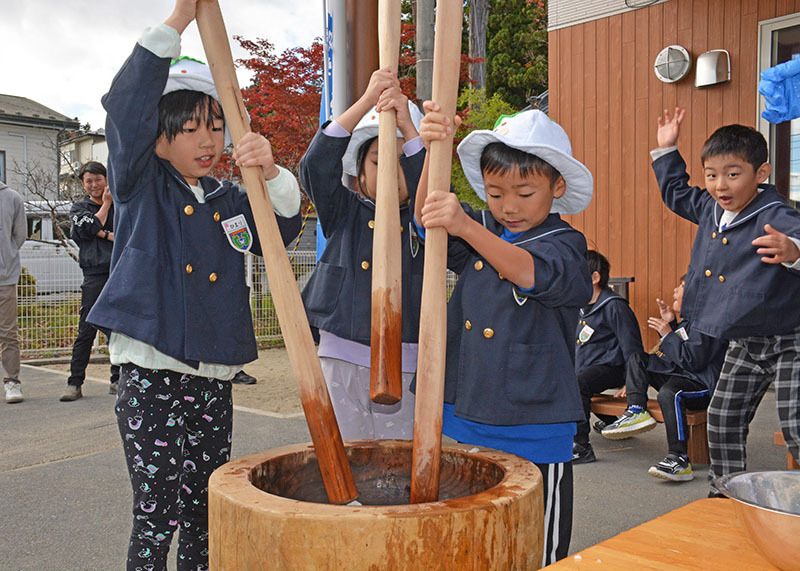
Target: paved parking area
[[65, 495]]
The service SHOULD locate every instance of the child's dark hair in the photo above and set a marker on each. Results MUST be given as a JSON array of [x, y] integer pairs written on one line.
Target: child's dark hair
[[92, 167], [498, 158], [739, 141], [599, 263], [361, 156], [178, 107]]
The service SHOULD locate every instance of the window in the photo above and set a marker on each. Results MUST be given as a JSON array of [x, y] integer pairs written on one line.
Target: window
[[779, 41], [2, 166]]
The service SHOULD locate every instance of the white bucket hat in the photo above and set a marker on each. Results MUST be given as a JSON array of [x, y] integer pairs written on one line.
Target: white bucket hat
[[194, 75], [535, 133], [366, 129]]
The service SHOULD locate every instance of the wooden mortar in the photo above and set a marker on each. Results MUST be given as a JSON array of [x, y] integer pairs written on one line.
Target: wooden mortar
[[269, 511]]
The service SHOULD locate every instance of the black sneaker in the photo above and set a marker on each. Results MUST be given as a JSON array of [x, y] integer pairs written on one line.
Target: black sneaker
[[599, 425], [673, 468], [243, 378], [582, 454]]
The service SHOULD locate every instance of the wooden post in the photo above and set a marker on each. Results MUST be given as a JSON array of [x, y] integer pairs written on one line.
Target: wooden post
[[433, 315], [327, 439], [387, 292]]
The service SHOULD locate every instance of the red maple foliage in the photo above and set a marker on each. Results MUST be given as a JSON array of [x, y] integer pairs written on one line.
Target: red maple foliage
[[283, 99]]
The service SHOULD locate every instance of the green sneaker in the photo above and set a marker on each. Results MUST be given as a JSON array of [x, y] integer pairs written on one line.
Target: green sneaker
[[673, 468], [635, 420]]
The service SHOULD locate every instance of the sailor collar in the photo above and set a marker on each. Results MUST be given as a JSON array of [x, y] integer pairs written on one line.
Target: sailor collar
[[766, 199], [605, 296]]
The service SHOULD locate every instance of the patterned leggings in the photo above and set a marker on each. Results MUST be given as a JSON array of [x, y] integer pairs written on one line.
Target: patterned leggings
[[751, 364], [176, 430]]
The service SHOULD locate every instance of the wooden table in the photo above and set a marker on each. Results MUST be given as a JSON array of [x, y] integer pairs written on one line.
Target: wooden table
[[705, 534]]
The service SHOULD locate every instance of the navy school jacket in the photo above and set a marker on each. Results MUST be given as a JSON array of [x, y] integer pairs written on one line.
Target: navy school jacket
[[698, 358], [510, 353], [616, 334], [338, 297], [730, 293], [176, 283]]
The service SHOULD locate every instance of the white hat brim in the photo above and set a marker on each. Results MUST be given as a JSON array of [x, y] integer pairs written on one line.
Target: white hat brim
[[366, 129], [579, 180]]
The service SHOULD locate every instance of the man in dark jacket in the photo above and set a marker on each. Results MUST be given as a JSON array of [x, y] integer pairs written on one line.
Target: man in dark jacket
[[93, 231]]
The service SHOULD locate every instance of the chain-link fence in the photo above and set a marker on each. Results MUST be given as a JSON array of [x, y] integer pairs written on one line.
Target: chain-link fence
[[48, 314]]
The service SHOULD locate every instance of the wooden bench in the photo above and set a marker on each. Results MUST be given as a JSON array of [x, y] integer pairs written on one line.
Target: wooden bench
[[697, 442], [791, 463]]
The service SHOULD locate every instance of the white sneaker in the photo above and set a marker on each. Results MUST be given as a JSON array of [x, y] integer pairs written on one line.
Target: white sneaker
[[13, 391]]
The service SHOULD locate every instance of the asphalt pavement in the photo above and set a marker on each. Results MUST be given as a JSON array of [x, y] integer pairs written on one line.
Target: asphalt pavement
[[65, 494]]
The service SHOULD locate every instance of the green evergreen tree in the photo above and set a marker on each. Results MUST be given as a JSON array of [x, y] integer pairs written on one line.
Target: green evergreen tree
[[516, 66]]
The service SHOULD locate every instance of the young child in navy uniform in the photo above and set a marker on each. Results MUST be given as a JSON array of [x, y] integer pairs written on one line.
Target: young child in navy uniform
[[743, 282], [683, 369], [607, 336], [176, 302], [338, 297], [510, 376]]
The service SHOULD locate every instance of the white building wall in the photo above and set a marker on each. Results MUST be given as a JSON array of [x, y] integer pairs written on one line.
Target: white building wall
[[29, 150], [564, 13]]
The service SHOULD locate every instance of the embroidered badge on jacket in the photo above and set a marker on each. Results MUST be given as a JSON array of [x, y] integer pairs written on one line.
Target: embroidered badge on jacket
[[238, 233], [585, 334], [413, 239]]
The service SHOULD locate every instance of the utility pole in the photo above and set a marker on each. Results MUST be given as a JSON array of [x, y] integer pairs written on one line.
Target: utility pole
[[478, 20], [425, 26], [362, 45]]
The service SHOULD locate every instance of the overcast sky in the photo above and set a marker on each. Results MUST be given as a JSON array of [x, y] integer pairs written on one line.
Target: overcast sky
[[64, 53]]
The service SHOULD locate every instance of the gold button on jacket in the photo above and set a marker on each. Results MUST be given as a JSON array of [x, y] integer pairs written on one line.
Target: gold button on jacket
[[371, 224], [724, 240], [188, 268], [212, 278], [468, 325], [713, 234], [722, 278], [188, 210], [708, 273], [365, 265], [479, 265], [216, 217], [488, 333]]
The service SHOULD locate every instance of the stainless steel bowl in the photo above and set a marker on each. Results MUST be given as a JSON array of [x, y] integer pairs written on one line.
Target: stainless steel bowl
[[768, 504]]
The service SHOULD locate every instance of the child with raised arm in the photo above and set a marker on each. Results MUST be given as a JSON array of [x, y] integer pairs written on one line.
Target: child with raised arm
[[683, 369], [338, 295], [176, 303], [607, 336], [743, 283], [510, 377]]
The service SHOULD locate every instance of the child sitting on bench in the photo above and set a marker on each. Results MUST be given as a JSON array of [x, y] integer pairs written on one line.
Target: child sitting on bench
[[684, 369]]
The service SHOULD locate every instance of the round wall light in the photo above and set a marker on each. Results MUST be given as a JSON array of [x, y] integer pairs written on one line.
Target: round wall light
[[672, 64]]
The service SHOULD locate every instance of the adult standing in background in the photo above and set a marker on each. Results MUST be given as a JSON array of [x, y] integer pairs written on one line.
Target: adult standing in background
[[13, 231], [93, 231]]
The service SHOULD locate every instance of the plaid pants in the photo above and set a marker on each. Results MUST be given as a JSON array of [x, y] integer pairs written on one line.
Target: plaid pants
[[751, 364]]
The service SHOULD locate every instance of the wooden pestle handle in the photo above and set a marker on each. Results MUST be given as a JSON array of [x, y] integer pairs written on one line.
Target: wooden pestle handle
[[336, 474], [387, 293], [433, 316]]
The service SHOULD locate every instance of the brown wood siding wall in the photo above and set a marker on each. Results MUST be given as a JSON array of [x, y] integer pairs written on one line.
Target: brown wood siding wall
[[604, 93]]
